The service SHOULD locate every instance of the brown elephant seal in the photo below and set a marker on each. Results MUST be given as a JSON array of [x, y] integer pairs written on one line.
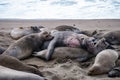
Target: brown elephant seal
[[89, 33], [113, 37], [67, 28], [104, 61], [14, 63], [24, 47], [65, 53], [19, 32], [11, 74]]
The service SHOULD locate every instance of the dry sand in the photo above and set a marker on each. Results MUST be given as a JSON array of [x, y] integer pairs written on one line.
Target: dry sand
[[60, 69]]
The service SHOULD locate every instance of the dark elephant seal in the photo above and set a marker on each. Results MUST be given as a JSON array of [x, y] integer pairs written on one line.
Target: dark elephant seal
[[24, 47], [115, 72], [104, 61], [14, 63], [11, 74], [19, 32], [113, 37]]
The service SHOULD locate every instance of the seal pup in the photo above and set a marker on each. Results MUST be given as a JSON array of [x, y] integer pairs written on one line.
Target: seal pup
[[104, 61], [14, 63], [19, 32], [11, 74], [24, 47]]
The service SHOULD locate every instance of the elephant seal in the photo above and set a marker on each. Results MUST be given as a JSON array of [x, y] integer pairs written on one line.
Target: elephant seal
[[65, 53], [19, 32], [11, 74], [72, 39], [14, 63], [113, 37], [24, 47], [104, 61], [67, 28]]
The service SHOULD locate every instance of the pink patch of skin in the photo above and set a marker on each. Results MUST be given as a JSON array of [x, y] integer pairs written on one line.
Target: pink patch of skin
[[73, 42]]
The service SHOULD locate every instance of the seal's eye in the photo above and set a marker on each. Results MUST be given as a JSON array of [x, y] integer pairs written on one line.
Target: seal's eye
[[20, 27]]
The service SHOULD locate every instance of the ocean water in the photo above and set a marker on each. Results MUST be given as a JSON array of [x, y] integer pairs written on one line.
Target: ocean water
[[60, 9]]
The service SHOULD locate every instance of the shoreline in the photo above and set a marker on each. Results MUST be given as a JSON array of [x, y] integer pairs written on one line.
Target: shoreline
[[19, 19], [106, 24]]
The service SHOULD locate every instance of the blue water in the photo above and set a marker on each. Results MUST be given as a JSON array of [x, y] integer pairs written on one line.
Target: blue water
[[60, 9]]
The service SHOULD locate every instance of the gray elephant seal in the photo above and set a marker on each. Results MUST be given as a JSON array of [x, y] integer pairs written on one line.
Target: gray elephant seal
[[11, 74], [104, 61], [113, 37], [19, 32], [24, 47], [14, 63]]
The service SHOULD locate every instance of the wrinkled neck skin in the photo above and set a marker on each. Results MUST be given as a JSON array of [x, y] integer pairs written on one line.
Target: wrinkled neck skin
[[72, 41]]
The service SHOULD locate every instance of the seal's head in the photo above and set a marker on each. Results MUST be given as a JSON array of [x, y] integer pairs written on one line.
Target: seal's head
[[46, 35]]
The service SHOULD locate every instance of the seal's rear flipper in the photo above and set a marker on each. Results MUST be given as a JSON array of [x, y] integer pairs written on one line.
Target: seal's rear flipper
[[40, 54], [33, 65]]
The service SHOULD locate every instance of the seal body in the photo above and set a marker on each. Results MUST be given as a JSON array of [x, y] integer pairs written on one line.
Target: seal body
[[11, 74], [67, 28], [113, 37], [64, 53], [19, 32], [6, 60], [24, 47], [104, 61]]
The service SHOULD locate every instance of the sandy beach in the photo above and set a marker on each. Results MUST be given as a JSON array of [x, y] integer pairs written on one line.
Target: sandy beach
[[59, 69]]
